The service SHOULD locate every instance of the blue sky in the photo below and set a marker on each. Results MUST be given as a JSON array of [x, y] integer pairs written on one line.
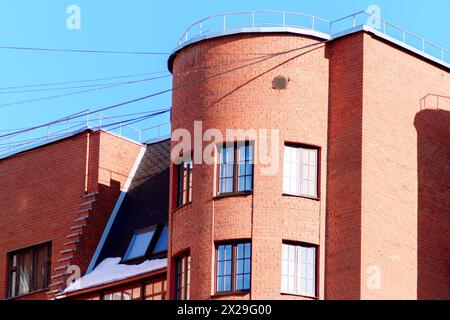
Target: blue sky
[[141, 25]]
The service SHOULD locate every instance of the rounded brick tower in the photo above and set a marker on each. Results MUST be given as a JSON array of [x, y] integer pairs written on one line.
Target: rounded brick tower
[[260, 238]]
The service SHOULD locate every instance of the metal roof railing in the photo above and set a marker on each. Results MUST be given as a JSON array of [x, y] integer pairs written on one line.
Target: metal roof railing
[[248, 21], [391, 30], [29, 138], [252, 20]]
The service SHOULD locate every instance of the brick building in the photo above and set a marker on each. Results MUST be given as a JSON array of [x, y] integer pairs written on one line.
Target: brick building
[[358, 207]]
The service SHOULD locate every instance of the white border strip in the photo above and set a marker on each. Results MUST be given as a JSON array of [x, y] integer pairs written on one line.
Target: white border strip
[[113, 215]]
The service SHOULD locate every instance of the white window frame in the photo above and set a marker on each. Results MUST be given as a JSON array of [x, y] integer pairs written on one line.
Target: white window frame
[[299, 269], [300, 171]]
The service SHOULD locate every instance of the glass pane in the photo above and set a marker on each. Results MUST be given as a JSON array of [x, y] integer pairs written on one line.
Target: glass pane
[[240, 266], [220, 283], [228, 267], [40, 274], [139, 244], [240, 251], [117, 296], [220, 268], [221, 253], [248, 250], [162, 243], [239, 282], [284, 283], [126, 295], [12, 286], [247, 266], [285, 252], [303, 286], [311, 255], [227, 286], [241, 186], [25, 273], [246, 281]]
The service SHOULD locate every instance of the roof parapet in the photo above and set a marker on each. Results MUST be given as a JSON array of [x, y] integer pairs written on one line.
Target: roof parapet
[[301, 23]]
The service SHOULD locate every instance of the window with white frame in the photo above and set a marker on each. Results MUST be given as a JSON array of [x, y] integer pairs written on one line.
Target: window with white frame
[[298, 275], [300, 171]]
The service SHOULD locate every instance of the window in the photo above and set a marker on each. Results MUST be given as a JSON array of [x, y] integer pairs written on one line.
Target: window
[[155, 290], [233, 267], [235, 168], [131, 293], [162, 244], [139, 244], [298, 274], [184, 195], [300, 171], [29, 270], [183, 279]]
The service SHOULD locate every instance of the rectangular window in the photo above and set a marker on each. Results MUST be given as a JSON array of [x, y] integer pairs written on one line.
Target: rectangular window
[[130, 293], [298, 274], [184, 195], [300, 171], [139, 243], [233, 267], [163, 241], [183, 277], [155, 290], [236, 167], [29, 270]]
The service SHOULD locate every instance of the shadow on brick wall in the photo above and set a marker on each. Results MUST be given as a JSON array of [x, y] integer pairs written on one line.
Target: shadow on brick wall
[[433, 160]]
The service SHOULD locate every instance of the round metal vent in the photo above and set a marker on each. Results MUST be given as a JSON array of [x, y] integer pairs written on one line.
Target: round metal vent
[[280, 83]]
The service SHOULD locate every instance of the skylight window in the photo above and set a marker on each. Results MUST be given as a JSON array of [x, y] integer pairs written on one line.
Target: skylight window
[[139, 244], [162, 243]]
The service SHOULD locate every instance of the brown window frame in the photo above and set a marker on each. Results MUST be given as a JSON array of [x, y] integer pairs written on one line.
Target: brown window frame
[[184, 194], [186, 285], [235, 191], [234, 245], [32, 283]]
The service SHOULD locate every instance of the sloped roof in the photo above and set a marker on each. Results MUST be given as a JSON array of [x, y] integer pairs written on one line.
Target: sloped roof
[[145, 204], [110, 270]]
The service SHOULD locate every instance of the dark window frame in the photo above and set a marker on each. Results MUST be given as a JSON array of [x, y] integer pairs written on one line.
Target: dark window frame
[[153, 228], [184, 258], [33, 250], [235, 191], [184, 170], [234, 245]]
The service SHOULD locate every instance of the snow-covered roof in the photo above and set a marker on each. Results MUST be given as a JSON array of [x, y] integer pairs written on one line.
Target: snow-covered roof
[[110, 270]]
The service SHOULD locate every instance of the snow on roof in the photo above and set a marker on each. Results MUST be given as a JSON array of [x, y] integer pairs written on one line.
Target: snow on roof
[[110, 270]]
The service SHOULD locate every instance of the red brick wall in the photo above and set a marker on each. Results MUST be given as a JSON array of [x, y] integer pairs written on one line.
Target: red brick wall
[[42, 191], [405, 177], [245, 99], [343, 224], [385, 184]]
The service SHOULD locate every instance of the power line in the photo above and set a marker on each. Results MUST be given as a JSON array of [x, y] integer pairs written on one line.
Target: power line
[[77, 92], [81, 81], [190, 83], [62, 122], [84, 86], [66, 132], [84, 51]]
